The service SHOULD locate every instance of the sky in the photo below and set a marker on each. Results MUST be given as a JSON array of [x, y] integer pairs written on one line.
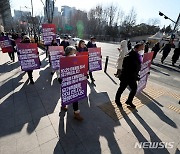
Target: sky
[[145, 9]]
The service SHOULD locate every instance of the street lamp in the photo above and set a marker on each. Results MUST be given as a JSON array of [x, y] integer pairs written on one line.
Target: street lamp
[[176, 23], [165, 17]]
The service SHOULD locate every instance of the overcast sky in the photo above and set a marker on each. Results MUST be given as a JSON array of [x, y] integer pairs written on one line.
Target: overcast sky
[[145, 9]]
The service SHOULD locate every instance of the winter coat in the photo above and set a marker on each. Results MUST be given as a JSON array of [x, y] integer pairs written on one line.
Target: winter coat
[[91, 45], [131, 66], [122, 52]]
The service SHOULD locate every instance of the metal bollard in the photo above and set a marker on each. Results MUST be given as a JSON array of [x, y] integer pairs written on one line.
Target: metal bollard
[[106, 63]]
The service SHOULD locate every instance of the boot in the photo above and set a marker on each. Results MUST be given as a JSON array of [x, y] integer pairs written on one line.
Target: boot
[[77, 116]]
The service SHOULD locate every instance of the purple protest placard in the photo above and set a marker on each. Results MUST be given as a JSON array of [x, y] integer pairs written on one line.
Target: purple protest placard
[[5, 44], [55, 52], [95, 61], [28, 56], [49, 33], [73, 72], [145, 67]]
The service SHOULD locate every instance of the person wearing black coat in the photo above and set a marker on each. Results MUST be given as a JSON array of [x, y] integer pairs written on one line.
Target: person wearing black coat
[[166, 50], [130, 74], [155, 48], [92, 44], [64, 43], [176, 54]]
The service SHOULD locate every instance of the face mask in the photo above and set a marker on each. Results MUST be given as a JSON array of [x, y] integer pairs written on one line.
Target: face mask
[[72, 55], [93, 42], [141, 52]]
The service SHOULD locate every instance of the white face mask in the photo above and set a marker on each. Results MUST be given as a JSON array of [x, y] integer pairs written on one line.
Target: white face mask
[[141, 52], [93, 42], [72, 55]]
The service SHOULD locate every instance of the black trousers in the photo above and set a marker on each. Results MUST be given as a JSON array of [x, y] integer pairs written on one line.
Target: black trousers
[[30, 75], [75, 106], [91, 76], [11, 55], [123, 85], [164, 56]]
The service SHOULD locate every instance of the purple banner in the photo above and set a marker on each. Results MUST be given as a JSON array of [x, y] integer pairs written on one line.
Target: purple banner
[[5, 44], [95, 61], [55, 52], [73, 71], [28, 56], [49, 33]]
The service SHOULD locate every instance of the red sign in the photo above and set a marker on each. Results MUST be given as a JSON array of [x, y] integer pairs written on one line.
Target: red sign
[[5, 44], [95, 61], [55, 52], [73, 72], [49, 33], [28, 56], [145, 68], [82, 53]]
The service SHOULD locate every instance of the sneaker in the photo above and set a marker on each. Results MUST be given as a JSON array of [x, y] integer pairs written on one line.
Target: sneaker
[[118, 103], [130, 104], [77, 116]]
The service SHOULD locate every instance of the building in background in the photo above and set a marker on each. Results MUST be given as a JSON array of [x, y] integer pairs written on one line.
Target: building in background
[[21, 15], [66, 13], [6, 17]]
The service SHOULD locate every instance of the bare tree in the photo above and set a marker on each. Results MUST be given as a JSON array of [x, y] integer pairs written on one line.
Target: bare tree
[[49, 9], [111, 12], [153, 21]]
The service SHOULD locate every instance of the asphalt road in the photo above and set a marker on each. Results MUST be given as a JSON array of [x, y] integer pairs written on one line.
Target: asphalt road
[[164, 74]]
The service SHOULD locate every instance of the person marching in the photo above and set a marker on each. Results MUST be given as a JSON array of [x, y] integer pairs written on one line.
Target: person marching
[[155, 48], [26, 39], [130, 74], [65, 42], [71, 51], [166, 50], [92, 44], [176, 54], [123, 50], [54, 43], [81, 46]]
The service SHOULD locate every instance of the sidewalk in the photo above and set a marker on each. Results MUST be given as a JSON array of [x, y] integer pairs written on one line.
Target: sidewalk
[[30, 121]]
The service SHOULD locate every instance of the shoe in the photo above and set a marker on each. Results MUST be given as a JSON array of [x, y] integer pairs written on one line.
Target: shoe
[[60, 80], [173, 64], [162, 61], [130, 104], [92, 80], [77, 116], [118, 103], [64, 108], [115, 74], [32, 82], [52, 73], [87, 76]]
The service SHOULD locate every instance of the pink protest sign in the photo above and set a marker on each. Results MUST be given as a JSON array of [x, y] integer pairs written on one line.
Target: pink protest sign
[[49, 33], [5, 44], [73, 72], [28, 56], [95, 61], [145, 68], [55, 52]]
